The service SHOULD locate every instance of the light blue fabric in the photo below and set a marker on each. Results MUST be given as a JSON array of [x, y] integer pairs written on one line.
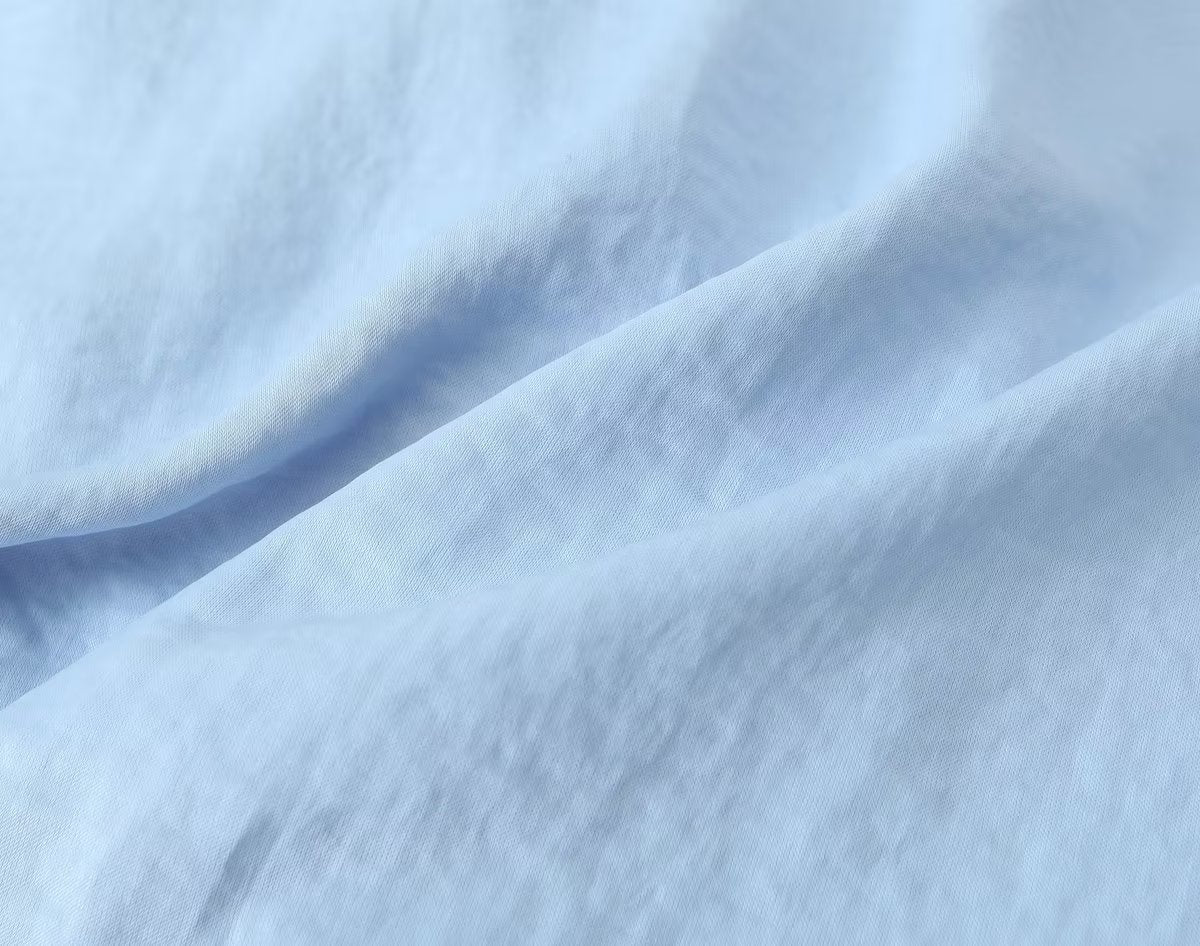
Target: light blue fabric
[[694, 471]]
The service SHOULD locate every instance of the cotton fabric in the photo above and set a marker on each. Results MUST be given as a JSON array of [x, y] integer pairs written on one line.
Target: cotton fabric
[[705, 471]]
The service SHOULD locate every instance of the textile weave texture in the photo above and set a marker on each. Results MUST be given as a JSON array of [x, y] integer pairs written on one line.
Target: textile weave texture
[[599, 471]]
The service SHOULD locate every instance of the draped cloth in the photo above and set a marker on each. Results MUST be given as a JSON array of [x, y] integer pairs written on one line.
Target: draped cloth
[[556, 471]]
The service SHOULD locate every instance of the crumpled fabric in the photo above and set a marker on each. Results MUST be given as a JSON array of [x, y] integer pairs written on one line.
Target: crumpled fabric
[[558, 471]]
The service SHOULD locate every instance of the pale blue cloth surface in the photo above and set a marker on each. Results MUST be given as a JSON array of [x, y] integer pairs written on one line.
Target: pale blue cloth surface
[[702, 471]]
